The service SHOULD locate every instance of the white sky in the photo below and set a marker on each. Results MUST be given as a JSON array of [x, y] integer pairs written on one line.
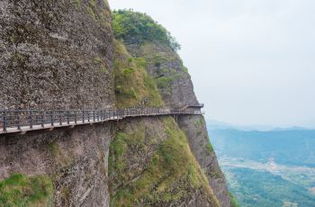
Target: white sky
[[252, 61]]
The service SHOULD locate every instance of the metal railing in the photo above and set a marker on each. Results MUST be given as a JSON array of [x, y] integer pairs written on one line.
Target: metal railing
[[12, 121]]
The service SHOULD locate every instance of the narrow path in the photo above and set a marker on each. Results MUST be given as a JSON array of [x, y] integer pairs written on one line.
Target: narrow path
[[22, 121]]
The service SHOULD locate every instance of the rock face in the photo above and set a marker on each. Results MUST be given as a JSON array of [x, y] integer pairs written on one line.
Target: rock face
[[171, 76], [55, 54], [62, 55], [75, 159], [58, 55]]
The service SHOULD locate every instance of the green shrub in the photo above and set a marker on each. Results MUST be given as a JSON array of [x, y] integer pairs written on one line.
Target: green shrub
[[234, 202], [209, 148], [164, 82], [137, 28]]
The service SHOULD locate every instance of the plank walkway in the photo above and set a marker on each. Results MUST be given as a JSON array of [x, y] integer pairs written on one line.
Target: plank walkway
[[23, 121]]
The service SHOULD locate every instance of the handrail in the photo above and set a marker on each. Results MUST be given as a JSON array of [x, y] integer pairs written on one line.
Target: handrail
[[14, 121]]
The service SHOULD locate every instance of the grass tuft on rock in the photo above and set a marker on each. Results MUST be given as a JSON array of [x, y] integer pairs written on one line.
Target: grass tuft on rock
[[20, 190]]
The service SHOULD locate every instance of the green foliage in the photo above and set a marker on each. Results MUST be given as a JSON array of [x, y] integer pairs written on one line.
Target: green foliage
[[199, 123], [132, 83], [209, 148], [117, 149], [185, 69], [137, 28], [77, 3], [98, 60], [164, 82], [160, 57], [234, 202], [19, 190]]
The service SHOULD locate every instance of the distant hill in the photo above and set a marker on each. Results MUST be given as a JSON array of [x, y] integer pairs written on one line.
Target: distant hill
[[215, 124]]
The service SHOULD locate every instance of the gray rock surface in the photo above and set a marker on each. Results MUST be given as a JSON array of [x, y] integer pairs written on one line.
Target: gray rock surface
[[55, 54]]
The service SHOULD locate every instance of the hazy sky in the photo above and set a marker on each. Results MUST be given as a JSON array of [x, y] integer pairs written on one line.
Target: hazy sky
[[251, 61]]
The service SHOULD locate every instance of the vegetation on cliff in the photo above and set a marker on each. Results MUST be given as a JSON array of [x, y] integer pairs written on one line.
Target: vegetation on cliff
[[133, 86], [137, 28], [151, 162], [19, 190], [169, 175], [147, 39], [165, 65], [234, 201]]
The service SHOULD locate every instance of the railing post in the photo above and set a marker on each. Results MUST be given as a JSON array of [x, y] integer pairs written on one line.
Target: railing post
[[43, 119], [94, 116], [31, 119], [18, 120], [4, 119], [75, 117], [83, 117], [68, 117], [60, 117], [88, 114], [52, 118]]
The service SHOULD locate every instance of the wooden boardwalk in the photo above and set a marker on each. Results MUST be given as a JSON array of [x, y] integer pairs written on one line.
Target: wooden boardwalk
[[22, 121]]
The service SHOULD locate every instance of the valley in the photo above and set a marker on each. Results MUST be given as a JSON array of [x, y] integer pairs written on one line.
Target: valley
[[267, 168]]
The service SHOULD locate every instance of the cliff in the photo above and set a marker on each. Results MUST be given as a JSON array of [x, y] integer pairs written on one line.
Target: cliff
[[63, 55]]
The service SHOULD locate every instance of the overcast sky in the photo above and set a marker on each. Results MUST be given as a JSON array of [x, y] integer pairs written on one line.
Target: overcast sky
[[251, 61]]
